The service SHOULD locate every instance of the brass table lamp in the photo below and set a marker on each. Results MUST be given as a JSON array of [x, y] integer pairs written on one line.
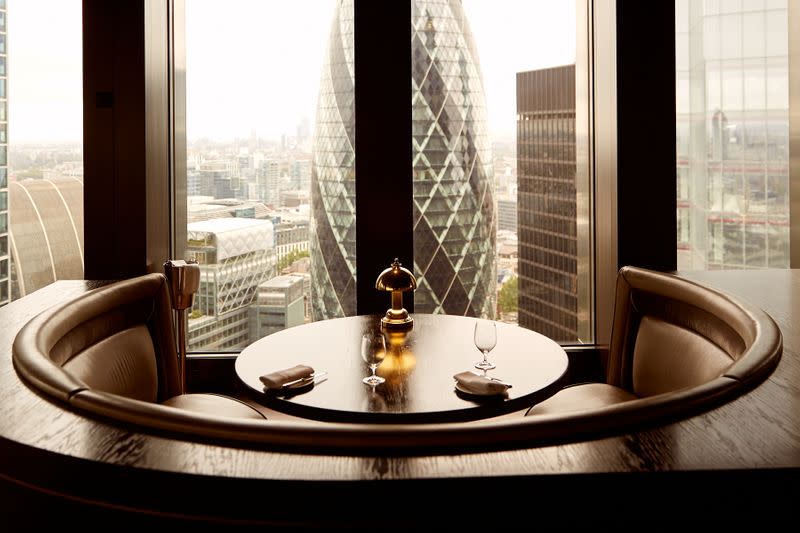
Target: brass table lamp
[[184, 280], [397, 280]]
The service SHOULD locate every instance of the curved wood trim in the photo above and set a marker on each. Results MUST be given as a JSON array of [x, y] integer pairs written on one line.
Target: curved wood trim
[[411, 439], [380, 439]]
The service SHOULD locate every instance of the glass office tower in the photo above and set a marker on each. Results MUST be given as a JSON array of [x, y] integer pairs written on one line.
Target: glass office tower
[[732, 73], [546, 194], [454, 214], [332, 236]]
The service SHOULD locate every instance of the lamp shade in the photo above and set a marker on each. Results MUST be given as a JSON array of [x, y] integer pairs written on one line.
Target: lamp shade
[[396, 278]]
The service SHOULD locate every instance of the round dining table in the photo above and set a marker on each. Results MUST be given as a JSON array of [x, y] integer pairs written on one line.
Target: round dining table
[[419, 367]]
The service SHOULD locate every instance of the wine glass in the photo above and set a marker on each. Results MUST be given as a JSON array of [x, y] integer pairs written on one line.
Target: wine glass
[[373, 350], [485, 340]]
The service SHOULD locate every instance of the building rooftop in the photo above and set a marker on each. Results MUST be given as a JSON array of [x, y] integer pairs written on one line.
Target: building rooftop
[[233, 236], [222, 225], [281, 282]]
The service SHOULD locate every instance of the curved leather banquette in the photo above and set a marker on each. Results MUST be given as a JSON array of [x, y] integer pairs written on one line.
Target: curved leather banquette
[[116, 340], [677, 349], [672, 336]]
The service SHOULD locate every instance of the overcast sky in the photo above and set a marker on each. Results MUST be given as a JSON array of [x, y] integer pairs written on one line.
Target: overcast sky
[[237, 83], [44, 70]]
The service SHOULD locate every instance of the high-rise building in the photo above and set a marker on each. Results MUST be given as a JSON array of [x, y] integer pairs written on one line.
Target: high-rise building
[[732, 74], [267, 176], [291, 236], [5, 261], [279, 305], [220, 179], [546, 193], [455, 226], [236, 255], [301, 174], [507, 212]]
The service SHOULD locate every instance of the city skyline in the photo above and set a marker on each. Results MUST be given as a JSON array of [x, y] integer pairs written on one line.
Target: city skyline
[[45, 55]]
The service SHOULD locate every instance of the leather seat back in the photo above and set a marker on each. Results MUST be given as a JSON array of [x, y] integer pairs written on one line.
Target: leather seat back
[[669, 334]]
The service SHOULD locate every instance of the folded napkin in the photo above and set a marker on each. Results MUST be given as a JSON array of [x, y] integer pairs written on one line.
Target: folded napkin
[[475, 384], [276, 380]]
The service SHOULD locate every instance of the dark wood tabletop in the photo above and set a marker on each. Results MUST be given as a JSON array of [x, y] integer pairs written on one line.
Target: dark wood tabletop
[[418, 370], [739, 461]]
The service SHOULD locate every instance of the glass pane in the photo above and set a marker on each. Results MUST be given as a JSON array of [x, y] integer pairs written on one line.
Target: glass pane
[[732, 134], [41, 150], [493, 103], [270, 166]]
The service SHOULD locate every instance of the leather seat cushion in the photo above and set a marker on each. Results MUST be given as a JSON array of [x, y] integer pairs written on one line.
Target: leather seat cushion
[[580, 397], [214, 404]]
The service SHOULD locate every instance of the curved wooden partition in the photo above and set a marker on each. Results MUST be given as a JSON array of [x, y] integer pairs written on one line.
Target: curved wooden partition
[[97, 450]]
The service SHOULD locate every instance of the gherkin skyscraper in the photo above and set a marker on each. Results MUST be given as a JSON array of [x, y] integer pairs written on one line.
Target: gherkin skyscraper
[[454, 216]]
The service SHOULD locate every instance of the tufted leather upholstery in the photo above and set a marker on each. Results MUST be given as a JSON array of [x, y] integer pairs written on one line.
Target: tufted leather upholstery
[[669, 334], [117, 340]]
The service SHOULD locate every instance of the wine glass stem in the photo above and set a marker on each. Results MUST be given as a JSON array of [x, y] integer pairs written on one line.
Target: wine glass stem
[[484, 352], [373, 368]]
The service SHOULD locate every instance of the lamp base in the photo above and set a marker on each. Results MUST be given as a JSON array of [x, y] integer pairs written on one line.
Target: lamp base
[[397, 319]]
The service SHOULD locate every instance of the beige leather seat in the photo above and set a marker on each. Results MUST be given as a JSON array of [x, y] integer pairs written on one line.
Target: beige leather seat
[[669, 335], [116, 339]]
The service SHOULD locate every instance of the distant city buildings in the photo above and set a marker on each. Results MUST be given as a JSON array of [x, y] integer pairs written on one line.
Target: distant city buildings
[[267, 176], [236, 255], [546, 173], [236, 303], [291, 236], [280, 304], [207, 208], [507, 212], [301, 175]]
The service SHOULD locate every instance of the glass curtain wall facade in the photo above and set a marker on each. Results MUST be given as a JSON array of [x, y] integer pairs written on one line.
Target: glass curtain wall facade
[[455, 228], [332, 235], [547, 209], [454, 222], [732, 73]]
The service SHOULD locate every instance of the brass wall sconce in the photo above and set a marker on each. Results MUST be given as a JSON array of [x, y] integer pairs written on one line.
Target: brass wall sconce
[[397, 280]]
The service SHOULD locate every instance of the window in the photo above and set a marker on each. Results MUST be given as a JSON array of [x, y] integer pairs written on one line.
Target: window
[[41, 161], [271, 174], [271, 178], [732, 69], [269, 127], [494, 170]]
